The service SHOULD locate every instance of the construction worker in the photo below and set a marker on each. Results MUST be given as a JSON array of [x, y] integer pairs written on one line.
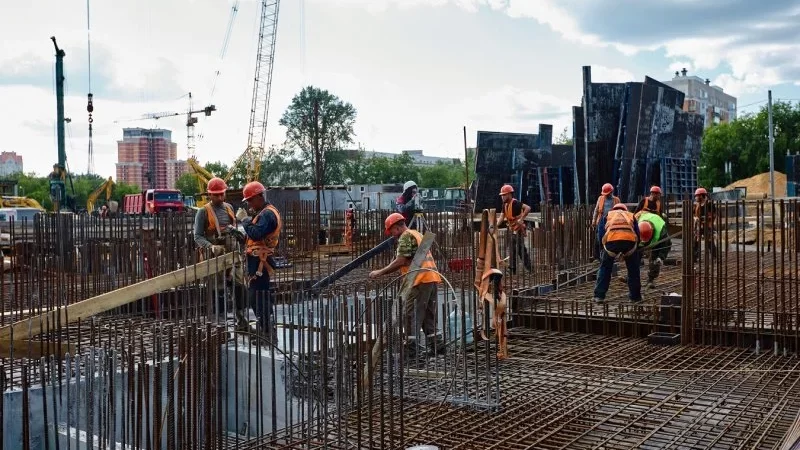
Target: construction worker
[[604, 204], [419, 306], [514, 213], [620, 239], [262, 232], [409, 203], [654, 236], [651, 203], [704, 215]]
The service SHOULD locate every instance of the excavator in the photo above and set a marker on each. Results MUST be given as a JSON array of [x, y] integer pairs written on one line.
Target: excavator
[[106, 187], [19, 202], [202, 175]]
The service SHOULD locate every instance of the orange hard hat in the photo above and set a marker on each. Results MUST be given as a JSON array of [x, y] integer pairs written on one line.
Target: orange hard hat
[[607, 189], [506, 189], [216, 185], [620, 206], [392, 220], [252, 189], [701, 191], [645, 231], [655, 190]]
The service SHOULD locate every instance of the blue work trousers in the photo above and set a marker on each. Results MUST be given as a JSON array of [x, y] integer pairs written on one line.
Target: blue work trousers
[[632, 262], [258, 294]]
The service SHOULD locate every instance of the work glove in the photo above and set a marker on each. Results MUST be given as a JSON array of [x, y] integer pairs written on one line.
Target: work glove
[[659, 262], [217, 250], [241, 214]]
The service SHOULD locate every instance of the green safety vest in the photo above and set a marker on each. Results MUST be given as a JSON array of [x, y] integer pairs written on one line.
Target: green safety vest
[[658, 226]]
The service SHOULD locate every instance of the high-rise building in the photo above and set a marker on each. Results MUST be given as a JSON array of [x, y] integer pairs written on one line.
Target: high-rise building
[[147, 157], [10, 163], [704, 98]]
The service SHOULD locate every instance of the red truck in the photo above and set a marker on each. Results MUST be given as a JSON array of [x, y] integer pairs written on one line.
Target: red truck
[[153, 201]]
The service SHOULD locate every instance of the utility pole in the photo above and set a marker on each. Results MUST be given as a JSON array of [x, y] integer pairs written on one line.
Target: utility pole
[[466, 168], [57, 178], [318, 166], [771, 146]]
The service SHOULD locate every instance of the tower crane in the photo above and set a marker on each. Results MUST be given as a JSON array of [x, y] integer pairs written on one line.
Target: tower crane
[[262, 87]]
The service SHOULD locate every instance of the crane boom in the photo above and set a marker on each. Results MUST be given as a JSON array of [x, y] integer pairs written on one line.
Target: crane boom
[[262, 87]]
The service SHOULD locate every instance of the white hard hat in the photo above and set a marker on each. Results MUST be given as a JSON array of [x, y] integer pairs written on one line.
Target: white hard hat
[[409, 184]]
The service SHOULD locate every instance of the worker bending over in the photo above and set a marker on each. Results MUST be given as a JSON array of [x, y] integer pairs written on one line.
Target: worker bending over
[[651, 203], [419, 306], [514, 213], [211, 232], [262, 232], [620, 239], [704, 215], [654, 236], [604, 204]]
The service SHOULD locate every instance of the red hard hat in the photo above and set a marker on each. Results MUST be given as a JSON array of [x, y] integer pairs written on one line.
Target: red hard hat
[[645, 231], [620, 206], [252, 189], [216, 185], [392, 220], [607, 189], [655, 190], [700, 191], [506, 189]]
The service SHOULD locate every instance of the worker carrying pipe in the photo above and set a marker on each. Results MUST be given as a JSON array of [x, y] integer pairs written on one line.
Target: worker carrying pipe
[[620, 239], [605, 202], [514, 213], [654, 236], [262, 230], [419, 306]]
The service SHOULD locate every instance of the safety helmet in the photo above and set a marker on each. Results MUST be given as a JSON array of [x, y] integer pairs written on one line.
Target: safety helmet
[[408, 184], [620, 206], [607, 189], [216, 185], [506, 189], [700, 191], [391, 221], [655, 190], [645, 231], [252, 189]]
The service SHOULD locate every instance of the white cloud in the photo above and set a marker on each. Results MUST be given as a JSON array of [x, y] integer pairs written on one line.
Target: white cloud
[[603, 74]]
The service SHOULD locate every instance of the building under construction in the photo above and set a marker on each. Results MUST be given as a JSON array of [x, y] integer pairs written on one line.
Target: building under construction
[[111, 336]]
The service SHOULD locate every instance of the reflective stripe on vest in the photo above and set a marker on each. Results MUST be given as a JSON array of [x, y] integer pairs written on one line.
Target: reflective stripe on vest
[[211, 217], [265, 248], [508, 212], [619, 227], [423, 276]]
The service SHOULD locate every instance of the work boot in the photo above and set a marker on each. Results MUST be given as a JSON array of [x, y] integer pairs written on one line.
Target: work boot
[[436, 345], [599, 300]]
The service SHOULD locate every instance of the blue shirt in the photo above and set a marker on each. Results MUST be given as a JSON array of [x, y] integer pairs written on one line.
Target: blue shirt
[[257, 229]]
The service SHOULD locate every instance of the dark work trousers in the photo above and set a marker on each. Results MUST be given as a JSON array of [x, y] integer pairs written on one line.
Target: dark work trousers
[[661, 250], [518, 249], [707, 236], [632, 262], [599, 232], [258, 294]]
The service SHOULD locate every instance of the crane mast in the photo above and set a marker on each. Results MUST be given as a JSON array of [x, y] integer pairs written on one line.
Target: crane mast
[[262, 86]]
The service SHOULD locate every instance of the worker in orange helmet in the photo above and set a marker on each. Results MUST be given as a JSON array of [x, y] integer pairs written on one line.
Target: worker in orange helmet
[[620, 240], [654, 238], [263, 231], [652, 203], [704, 215], [514, 213], [604, 203], [419, 306]]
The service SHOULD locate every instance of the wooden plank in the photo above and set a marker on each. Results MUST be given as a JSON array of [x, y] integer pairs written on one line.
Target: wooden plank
[[28, 328], [33, 349]]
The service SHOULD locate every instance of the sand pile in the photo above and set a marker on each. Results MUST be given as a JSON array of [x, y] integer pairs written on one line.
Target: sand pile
[[758, 185]]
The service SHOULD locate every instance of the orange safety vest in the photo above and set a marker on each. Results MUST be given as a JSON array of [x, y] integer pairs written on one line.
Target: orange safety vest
[[213, 225], [598, 209], [706, 219], [619, 227], [423, 276], [511, 219], [265, 248]]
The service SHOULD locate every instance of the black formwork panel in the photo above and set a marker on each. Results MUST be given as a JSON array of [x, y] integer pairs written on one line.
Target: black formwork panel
[[793, 168], [678, 176], [487, 192]]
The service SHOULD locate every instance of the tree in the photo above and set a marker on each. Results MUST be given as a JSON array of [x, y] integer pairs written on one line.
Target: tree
[[282, 167], [187, 184], [564, 138], [219, 169]]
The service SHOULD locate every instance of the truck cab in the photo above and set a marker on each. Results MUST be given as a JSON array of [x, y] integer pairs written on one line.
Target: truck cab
[[161, 200]]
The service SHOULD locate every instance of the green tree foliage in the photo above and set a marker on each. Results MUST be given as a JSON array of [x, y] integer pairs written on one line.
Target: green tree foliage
[[318, 123], [219, 169], [282, 167], [745, 144], [38, 188], [187, 184], [564, 138]]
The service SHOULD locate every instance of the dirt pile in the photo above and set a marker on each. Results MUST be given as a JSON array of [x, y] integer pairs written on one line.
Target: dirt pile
[[758, 185]]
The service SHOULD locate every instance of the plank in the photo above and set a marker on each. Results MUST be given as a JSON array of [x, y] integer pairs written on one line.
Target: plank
[[33, 349]]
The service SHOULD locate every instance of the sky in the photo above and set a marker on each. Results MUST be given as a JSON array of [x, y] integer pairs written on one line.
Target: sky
[[417, 71]]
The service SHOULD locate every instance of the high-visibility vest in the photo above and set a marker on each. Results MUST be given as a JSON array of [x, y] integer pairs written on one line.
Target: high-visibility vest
[[508, 212], [704, 213], [619, 226], [213, 224], [601, 201], [264, 248], [658, 227], [423, 276]]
